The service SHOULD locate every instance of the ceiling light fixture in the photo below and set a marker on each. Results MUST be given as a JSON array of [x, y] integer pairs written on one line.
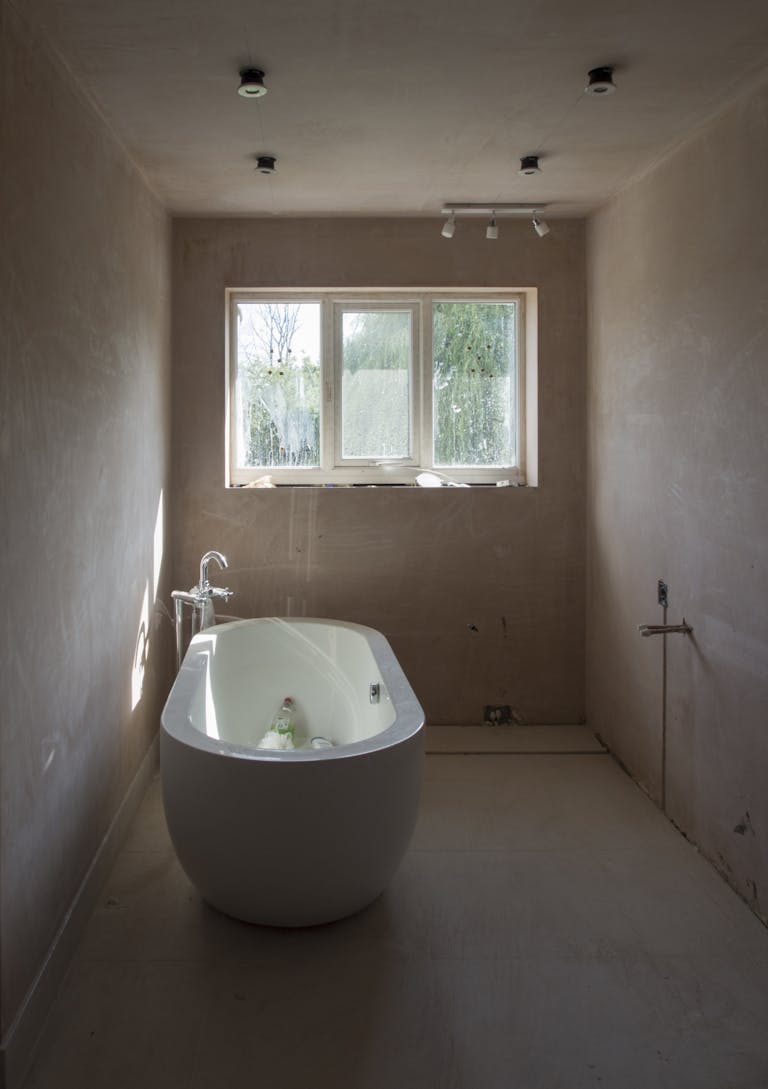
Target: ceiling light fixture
[[266, 164], [251, 83], [494, 212], [529, 164], [540, 226], [449, 227], [497, 210], [600, 81]]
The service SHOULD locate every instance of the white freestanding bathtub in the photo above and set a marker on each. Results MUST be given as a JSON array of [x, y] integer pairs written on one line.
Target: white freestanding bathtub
[[297, 837]]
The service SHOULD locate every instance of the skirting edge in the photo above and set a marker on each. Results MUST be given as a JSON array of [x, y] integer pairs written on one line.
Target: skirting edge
[[18, 1045], [560, 740]]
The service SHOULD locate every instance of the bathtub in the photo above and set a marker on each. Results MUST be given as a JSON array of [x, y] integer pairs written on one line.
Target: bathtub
[[297, 837]]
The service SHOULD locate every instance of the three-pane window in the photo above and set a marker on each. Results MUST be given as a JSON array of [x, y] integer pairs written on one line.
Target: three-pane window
[[327, 387]]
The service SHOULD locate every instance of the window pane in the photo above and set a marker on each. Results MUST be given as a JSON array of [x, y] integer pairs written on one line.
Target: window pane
[[277, 392], [474, 383], [375, 384]]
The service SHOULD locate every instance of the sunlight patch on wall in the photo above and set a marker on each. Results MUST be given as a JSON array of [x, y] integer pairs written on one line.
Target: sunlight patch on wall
[[158, 545], [141, 652]]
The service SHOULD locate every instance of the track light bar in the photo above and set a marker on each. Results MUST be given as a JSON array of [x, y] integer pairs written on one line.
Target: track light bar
[[491, 209], [540, 226]]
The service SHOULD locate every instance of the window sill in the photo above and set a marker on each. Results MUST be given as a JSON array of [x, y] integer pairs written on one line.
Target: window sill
[[389, 476], [389, 484]]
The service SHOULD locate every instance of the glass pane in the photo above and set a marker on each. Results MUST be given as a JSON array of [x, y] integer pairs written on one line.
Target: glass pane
[[375, 384], [277, 392], [474, 384]]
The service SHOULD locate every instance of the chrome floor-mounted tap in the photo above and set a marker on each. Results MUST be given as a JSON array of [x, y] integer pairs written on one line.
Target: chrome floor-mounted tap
[[200, 599]]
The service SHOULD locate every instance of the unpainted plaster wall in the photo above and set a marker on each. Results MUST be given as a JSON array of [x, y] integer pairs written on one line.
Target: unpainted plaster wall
[[678, 489], [426, 567], [84, 315]]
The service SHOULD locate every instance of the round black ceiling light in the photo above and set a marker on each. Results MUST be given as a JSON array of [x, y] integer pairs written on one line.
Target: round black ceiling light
[[600, 81], [251, 83], [529, 164]]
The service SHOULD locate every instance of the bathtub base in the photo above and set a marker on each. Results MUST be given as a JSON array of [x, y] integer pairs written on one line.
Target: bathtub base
[[291, 845], [286, 920]]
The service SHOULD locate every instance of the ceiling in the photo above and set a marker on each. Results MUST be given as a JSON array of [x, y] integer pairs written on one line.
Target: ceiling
[[393, 107]]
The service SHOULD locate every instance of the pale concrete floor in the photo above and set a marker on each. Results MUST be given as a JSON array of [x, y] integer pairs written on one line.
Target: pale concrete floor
[[548, 930]]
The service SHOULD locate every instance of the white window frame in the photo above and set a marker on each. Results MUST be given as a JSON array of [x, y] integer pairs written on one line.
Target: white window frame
[[413, 307], [335, 470]]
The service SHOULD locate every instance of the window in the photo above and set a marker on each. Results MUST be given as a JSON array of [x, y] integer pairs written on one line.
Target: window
[[376, 387]]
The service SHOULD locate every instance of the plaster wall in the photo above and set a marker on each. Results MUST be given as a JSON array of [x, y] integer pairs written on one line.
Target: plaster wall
[[678, 449], [84, 455], [480, 591]]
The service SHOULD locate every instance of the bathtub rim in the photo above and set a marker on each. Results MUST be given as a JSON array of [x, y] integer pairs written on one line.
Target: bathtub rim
[[409, 715]]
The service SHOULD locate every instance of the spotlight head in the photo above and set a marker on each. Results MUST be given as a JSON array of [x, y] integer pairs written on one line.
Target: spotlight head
[[266, 164], [492, 230], [251, 83], [600, 81], [449, 227], [540, 226], [529, 164]]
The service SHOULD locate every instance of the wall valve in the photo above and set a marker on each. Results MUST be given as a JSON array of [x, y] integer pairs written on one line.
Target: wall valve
[[665, 629]]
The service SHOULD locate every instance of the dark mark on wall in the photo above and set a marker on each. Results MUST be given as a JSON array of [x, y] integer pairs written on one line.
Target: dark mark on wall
[[744, 826], [472, 627], [505, 633]]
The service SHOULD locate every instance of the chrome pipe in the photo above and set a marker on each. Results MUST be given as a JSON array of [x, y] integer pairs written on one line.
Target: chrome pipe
[[665, 629], [178, 621], [186, 597], [201, 616]]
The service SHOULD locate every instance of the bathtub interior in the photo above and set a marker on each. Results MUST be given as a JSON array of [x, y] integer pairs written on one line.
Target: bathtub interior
[[326, 668]]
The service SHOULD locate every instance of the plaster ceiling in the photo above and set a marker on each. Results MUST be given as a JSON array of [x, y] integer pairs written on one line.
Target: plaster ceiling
[[393, 107]]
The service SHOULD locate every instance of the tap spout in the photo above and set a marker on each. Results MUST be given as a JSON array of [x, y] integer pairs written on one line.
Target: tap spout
[[204, 584]]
